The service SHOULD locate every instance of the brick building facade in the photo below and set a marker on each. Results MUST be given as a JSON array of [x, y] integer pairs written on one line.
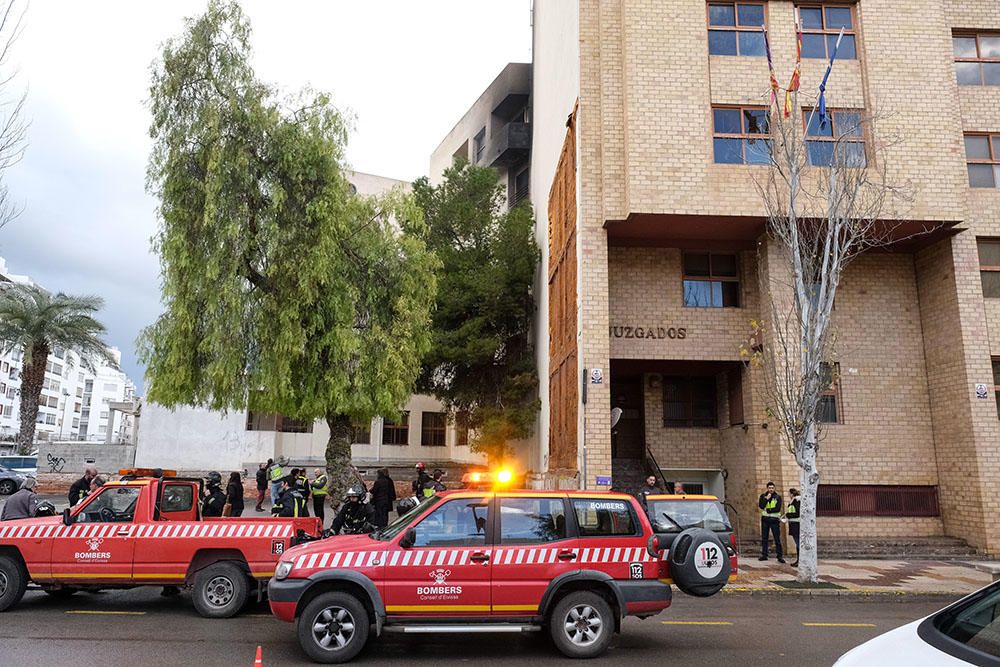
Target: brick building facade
[[656, 256]]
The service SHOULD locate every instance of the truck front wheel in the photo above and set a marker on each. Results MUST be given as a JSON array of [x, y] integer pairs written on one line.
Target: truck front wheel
[[333, 627], [220, 590], [13, 582]]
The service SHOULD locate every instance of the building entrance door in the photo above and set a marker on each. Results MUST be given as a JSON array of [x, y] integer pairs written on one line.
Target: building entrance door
[[628, 438]]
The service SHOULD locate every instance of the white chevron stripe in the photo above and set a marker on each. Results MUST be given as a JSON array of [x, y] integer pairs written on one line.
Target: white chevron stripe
[[442, 555], [617, 555], [453, 557], [394, 559], [360, 560], [311, 562], [323, 561], [335, 559], [406, 558], [301, 560], [463, 557]]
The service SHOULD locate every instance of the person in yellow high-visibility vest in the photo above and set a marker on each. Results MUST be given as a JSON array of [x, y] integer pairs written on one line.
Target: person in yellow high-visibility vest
[[770, 521], [319, 491], [276, 474]]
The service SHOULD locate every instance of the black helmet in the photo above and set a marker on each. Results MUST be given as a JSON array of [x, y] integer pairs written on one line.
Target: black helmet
[[45, 508], [356, 491], [214, 478]]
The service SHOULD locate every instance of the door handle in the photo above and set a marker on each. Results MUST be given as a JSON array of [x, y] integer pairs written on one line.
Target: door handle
[[479, 557], [123, 532], [566, 555]]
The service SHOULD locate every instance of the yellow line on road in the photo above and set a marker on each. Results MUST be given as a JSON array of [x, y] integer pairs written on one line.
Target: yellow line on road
[[107, 613], [839, 625], [696, 622]]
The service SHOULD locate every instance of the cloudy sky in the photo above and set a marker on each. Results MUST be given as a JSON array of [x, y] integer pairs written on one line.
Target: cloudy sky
[[407, 70]]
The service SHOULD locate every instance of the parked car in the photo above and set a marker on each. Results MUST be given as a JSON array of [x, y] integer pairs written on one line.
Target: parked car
[[10, 481], [26, 465], [964, 633]]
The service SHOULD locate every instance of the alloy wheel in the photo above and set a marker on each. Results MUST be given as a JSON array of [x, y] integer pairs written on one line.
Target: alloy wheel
[[583, 625], [333, 628]]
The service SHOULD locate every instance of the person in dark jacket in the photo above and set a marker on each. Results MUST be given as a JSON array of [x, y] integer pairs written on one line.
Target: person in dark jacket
[[291, 502], [434, 484], [81, 487], [355, 516], [650, 488], [769, 503], [383, 496], [420, 481], [234, 494], [792, 515], [21, 505], [262, 484], [214, 500]]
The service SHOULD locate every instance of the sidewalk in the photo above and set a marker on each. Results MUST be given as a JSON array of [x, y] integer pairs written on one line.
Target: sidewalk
[[862, 577]]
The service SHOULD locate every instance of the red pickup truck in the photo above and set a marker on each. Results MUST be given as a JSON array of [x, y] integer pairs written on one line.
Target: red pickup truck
[[146, 532]]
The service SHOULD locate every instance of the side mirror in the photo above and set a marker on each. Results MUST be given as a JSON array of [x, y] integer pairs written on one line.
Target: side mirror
[[408, 539], [68, 518], [653, 546]]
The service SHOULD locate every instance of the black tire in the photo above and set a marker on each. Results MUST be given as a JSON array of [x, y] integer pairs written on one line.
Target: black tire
[[7, 487], [61, 593], [581, 625], [220, 590], [13, 582], [346, 628]]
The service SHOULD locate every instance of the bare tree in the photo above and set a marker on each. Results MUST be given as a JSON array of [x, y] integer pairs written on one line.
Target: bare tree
[[13, 126], [828, 197]]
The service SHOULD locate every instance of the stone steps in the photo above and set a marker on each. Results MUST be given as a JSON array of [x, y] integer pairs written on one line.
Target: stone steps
[[900, 548]]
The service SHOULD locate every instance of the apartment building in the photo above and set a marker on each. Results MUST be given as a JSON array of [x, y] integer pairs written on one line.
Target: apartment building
[[645, 146]]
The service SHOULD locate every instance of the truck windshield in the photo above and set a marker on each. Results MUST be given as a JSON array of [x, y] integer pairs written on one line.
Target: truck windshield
[[400, 524], [707, 514]]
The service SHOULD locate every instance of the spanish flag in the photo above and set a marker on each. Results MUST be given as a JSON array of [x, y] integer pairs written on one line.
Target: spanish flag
[[770, 68], [793, 85]]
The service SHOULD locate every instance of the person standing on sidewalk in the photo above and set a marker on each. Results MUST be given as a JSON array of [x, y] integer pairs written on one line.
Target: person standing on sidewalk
[[769, 503], [262, 484], [649, 488], [792, 515], [319, 492], [276, 474], [383, 496], [234, 494]]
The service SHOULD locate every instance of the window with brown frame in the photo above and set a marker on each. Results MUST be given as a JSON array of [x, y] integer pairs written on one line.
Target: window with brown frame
[[734, 387], [982, 159], [361, 433], [828, 411], [433, 429], [838, 138], [876, 500], [821, 24], [989, 267], [689, 402], [977, 58], [396, 433], [269, 421], [996, 383], [741, 135], [711, 280], [736, 28], [462, 429]]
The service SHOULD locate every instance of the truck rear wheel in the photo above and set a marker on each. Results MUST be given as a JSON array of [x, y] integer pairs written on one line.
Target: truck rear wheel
[[581, 625], [333, 628], [13, 582], [220, 590]]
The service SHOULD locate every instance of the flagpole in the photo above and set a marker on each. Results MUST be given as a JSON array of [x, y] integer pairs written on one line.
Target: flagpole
[[822, 85]]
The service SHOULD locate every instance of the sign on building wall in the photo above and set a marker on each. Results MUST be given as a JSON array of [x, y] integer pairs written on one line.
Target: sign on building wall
[[596, 376], [982, 391], [624, 331]]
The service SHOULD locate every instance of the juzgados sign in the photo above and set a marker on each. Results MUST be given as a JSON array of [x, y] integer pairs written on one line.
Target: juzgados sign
[[678, 333]]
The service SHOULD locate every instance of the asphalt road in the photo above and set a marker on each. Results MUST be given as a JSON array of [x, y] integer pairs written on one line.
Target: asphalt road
[[139, 627]]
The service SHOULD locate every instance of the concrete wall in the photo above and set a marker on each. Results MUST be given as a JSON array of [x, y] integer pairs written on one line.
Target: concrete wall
[[73, 457]]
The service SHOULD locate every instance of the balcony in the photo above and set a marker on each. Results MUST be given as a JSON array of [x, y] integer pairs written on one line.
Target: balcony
[[510, 146]]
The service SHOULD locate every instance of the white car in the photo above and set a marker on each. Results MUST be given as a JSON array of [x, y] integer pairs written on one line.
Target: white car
[[965, 633], [26, 465]]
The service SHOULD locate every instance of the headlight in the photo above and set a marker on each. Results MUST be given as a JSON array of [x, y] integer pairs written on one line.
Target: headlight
[[283, 570]]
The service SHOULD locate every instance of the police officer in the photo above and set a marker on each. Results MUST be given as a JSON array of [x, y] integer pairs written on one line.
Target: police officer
[[275, 475], [769, 503], [291, 502], [434, 484], [418, 483], [215, 499], [355, 516], [319, 492], [648, 489], [792, 515]]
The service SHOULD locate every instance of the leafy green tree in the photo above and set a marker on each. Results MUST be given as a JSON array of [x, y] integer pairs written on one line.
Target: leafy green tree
[[481, 363], [37, 322], [283, 291]]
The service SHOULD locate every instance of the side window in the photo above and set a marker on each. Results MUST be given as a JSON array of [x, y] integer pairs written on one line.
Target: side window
[[112, 505], [605, 518], [457, 523], [177, 498], [532, 520]]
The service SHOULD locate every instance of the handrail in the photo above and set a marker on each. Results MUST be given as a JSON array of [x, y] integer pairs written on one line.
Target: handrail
[[659, 471]]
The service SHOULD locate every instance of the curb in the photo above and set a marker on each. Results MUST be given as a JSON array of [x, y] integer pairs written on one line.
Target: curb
[[880, 595]]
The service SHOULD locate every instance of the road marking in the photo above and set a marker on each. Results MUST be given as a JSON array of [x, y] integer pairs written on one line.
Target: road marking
[[107, 613], [696, 622], [839, 625]]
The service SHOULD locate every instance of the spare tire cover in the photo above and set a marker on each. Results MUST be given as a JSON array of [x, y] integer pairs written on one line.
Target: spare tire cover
[[699, 562]]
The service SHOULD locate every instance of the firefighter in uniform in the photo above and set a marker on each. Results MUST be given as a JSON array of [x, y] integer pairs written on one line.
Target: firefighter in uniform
[[355, 516], [291, 502], [792, 516], [215, 498], [418, 483], [319, 492], [770, 521]]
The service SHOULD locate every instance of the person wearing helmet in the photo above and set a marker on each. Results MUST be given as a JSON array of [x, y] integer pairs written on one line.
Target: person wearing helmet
[[23, 504], [215, 499], [418, 483], [434, 484], [291, 502], [355, 515]]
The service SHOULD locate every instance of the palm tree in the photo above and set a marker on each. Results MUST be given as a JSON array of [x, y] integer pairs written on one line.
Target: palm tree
[[38, 322]]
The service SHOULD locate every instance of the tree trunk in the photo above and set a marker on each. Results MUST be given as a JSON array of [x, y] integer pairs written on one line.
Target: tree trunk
[[808, 570], [32, 379], [338, 457]]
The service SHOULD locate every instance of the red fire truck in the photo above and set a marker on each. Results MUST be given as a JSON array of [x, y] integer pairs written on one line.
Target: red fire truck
[[572, 562], [144, 531]]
